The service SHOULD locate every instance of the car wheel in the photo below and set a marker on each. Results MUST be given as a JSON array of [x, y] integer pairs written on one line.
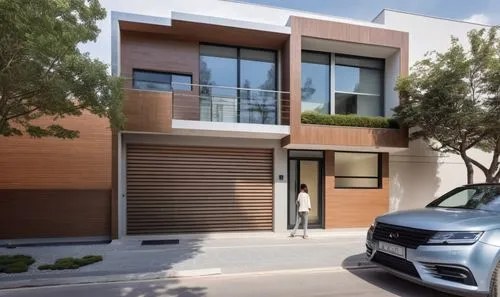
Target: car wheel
[[495, 282]]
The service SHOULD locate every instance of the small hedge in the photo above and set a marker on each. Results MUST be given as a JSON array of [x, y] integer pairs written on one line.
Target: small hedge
[[71, 263], [348, 120], [15, 263]]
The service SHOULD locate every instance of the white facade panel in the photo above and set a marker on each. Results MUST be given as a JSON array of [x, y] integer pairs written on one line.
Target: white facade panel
[[419, 174]]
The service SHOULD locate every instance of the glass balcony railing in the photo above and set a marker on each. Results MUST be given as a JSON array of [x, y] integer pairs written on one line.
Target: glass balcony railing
[[222, 103], [231, 105]]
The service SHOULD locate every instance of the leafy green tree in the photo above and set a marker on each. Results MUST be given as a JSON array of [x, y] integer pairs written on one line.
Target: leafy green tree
[[451, 100], [44, 74]]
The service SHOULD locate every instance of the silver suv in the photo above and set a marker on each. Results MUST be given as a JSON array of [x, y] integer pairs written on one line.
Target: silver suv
[[452, 245]]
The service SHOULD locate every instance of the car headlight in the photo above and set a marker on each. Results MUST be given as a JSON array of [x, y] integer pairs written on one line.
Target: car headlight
[[372, 227], [455, 238]]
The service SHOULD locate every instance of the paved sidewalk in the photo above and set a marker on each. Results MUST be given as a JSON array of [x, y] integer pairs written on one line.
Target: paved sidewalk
[[127, 259]]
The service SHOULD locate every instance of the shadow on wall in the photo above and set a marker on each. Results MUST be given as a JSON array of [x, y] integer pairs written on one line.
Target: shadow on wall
[[414, 177], [389, 283]]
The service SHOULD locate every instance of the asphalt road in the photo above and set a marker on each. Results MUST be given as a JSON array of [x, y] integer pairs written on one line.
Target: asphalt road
[[367, 282]]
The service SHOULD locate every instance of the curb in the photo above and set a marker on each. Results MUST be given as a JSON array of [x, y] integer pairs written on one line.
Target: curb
[[78, 280], [166, 274]]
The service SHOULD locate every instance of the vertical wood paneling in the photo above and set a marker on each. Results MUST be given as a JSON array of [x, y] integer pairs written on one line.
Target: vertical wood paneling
[[160, 52], [285, 84], [148, 111], [347, 208], [295, 79], [198, 189], [329, 30]]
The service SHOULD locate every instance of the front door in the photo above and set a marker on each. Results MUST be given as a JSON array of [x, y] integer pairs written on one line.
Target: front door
[[310, 172]]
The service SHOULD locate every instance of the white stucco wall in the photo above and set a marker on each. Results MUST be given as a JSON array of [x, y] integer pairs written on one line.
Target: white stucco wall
[[420, 174], [280, 167]]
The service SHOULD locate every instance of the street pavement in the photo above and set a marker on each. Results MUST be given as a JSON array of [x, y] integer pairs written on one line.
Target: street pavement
[[240, 255], [336, 282]]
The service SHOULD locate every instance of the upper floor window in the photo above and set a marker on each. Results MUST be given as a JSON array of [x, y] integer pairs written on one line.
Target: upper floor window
[[161, 81], [359, 85], [239, 84], [354, 87], [315, 82]]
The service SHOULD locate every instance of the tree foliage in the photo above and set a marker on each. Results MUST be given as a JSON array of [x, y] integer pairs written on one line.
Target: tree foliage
[[42, 71], [453, 100]]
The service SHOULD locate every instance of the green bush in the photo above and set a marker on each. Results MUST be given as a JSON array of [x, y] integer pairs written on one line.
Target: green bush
[[348, 120], [15, 263], [16, 267], [71, 263]]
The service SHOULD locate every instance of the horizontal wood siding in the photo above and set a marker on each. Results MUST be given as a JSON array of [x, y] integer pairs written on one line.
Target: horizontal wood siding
[[348, 208], [51, 163], [176, 189], [353, 136], [49, 213]]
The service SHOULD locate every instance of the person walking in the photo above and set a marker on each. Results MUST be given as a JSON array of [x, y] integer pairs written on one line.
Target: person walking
[[304, 206]]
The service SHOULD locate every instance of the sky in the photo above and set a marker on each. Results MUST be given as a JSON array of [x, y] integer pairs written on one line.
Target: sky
[[478, 11]]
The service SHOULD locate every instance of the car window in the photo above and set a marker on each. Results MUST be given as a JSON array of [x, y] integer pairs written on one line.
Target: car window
[[479, 197]]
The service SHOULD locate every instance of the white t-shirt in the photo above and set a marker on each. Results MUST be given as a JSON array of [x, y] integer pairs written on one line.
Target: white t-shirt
[[304, 202]]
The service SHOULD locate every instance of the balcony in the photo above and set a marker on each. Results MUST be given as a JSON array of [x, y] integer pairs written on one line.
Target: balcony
[[208, 110], [347, 132]]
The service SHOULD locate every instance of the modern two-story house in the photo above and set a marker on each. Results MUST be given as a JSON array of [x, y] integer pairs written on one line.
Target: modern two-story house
[[228, 111]]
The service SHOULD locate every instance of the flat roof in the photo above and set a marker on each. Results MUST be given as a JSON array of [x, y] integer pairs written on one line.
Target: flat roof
[[426, 16]]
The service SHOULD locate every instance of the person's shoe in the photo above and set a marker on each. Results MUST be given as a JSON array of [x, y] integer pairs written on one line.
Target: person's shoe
[[305, 237], [292, 235]]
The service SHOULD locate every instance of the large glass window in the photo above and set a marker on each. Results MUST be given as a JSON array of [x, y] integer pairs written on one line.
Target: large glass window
[[218, 67], [358, 86], [258, 72], [221, 100], [161, 81], [315, 82], [357, 170]]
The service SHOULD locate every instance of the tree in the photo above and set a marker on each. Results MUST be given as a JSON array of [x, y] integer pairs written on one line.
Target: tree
[[44, 74], [452, 101]]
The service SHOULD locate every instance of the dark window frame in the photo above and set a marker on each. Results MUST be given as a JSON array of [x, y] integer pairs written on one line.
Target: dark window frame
[[382, 80], [170, 73], [238, 74], [322, 184], [378, 177]]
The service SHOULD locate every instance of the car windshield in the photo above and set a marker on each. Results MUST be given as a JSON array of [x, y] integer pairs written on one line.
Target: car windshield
[[481, 197]]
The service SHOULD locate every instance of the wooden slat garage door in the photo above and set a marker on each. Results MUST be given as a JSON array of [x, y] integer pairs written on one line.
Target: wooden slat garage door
[[174, 189]]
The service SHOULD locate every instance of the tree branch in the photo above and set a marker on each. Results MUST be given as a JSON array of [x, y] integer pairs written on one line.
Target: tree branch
[[22, 113], [478, 165]]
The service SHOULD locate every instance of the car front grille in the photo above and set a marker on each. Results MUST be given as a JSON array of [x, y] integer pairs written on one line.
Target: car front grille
[[396, 263], [450, 272], [407, 237]]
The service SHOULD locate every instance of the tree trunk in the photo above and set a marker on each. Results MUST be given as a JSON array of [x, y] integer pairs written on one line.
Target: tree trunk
[[470, 173], [470, 168]]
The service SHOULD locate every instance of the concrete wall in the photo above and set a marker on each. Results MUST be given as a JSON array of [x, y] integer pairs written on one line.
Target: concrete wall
[[418, 175], [280, 167]]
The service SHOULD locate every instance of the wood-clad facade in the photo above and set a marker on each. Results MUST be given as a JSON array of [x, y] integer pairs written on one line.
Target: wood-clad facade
[[100, 185], [57, 188]]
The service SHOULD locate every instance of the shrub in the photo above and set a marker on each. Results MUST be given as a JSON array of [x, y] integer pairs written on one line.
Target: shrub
[[348, 120], [15, 263], [71, 263], [16, 267]]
